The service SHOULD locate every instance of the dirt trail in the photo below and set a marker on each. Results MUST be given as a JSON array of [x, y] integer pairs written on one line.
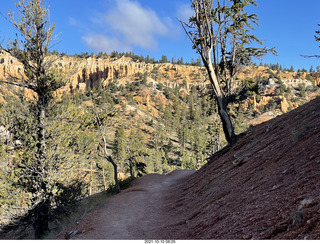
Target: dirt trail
[[135, 213]]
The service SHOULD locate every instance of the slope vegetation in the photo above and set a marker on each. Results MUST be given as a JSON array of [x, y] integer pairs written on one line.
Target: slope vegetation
[[266, 187]]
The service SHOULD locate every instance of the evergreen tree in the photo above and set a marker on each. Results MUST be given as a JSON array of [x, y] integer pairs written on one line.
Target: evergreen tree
[[137, 154], [65, 156], [311, 70], [188, 160], [163, 59], [39, 163], [155, 161], [119, 149]]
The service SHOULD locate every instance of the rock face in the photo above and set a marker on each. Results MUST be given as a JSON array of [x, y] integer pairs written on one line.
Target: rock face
[[9, 67], [84, 73]]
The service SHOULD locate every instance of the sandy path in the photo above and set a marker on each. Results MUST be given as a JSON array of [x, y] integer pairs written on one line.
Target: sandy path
[[135, 213]]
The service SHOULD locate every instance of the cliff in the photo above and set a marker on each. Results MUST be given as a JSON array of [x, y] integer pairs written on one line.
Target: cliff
[[84, 73]]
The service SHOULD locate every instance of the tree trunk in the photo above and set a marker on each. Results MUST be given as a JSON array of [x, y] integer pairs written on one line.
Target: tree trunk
[[42, 146], [115, 169], [227, 126], [110, 159], [131, 167], [90, 187], [219, 138], [222, 102], [41, 222]]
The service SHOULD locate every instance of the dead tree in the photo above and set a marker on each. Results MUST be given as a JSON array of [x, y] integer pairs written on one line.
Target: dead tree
[[219, 31]]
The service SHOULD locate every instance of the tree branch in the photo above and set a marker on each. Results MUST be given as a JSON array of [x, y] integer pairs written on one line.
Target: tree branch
[[18, 84], [310, 56]]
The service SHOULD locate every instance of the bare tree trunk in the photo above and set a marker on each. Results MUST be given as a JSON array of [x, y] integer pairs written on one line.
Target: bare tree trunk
[[115, 170], [222, 102], [227, 126], [41, 223], [115, 167]]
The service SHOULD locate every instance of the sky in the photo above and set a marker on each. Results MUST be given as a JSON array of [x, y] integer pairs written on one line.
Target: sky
[[150, 27]]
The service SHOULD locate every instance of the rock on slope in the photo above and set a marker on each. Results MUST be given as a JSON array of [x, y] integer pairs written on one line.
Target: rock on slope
[[265, 187]]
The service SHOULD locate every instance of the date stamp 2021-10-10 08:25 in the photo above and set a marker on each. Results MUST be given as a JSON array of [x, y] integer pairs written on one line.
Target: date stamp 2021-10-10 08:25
[[160, 242]]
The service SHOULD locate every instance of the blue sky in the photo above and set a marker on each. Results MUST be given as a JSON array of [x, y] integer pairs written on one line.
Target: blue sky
[[106, 25]]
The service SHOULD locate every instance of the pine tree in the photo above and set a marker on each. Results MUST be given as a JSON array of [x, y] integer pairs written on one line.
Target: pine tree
[[65, 156], [45, 146], [31, 51], [137, 153], [119, 149], [163, 59]]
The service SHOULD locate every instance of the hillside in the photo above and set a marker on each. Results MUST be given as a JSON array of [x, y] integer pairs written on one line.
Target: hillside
[[265, 187], [265, 92], [169, 106]]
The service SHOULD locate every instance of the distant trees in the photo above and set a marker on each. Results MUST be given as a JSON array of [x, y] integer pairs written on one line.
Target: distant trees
[[148, 59], [140, 58], [163, 59], [220, 34]]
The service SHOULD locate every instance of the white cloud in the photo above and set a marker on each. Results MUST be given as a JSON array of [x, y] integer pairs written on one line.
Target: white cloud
[[127, 24], [104, 43], [185, 12]]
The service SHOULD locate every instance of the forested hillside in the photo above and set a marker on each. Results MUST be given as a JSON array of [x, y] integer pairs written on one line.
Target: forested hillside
[[153, 124]]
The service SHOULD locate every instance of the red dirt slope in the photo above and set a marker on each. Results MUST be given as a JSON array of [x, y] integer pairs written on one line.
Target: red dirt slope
[[265, 187]]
